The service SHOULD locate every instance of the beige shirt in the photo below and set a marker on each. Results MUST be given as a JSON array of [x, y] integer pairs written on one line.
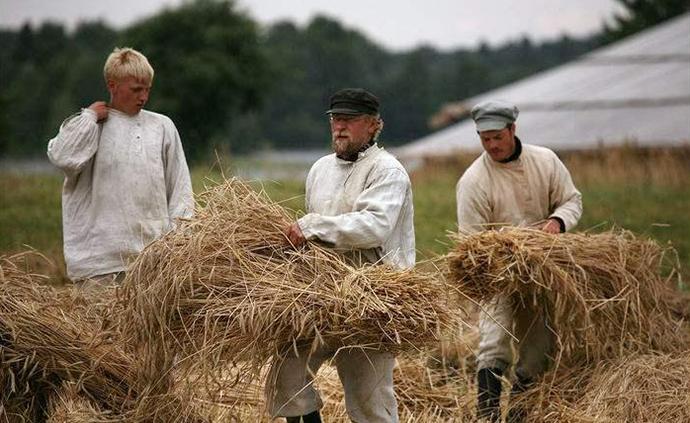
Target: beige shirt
[[126, 181], [362, 208], [532, 188]]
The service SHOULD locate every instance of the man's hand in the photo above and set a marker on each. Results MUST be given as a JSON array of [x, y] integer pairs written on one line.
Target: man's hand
[[552, 226], [294, 235], [101, 109]]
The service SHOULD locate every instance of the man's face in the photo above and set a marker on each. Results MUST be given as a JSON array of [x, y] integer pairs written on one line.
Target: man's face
[[350, 132], [128, 95], [499, 144]]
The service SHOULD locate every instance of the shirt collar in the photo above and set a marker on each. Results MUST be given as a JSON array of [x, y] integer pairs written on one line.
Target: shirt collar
[[361, 152], [516, 153], [365, 151]]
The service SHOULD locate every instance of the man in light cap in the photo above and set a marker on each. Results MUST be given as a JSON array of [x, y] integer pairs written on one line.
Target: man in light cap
[[359, 202], [512, 184]]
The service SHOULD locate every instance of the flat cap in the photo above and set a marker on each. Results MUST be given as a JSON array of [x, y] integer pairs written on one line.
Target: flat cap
[[354, 101], [493, 115]]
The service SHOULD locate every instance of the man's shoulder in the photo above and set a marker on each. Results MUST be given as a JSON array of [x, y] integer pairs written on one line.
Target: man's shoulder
[[538, 151], [156, 117], [386, 165], [476, 169], [387, 160], [324, 160]]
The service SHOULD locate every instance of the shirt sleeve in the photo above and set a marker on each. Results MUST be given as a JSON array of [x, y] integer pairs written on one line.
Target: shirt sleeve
[[376, 211], [76, 143], [566, 200], [473, 208], [178, 183]]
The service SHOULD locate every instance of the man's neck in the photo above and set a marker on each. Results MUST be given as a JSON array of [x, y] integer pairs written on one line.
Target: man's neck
[[354, 156], [516, 152]]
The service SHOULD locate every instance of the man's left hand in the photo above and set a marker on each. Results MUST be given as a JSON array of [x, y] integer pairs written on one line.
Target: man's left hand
[[294, 235], [552, 226]]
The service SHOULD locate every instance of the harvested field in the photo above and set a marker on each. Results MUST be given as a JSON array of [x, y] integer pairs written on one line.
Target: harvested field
[[189, 336]]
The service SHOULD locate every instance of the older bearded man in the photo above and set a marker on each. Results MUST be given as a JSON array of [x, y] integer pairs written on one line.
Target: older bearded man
[[359, 202]]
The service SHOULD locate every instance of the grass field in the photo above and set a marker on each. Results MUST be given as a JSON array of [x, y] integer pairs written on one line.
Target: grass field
[[643, 191]]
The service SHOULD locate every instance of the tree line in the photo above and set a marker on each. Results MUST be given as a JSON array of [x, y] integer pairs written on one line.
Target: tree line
[[233, 86]]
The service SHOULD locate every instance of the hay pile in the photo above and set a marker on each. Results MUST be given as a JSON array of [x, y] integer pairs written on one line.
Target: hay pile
[[644, 388], [649, 388], [67, 405], [51, 338], [226, 285], [604, 293], [612, 304]]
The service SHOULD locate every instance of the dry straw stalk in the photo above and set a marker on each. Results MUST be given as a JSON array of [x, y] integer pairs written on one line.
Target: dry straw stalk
[[227, 286], [604, 293], [51, 338]]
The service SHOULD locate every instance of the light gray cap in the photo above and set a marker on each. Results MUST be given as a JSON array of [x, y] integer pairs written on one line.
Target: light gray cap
[[493, 115]]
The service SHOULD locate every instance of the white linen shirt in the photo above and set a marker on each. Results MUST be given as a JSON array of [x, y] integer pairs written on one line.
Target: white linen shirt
[[532, 188], [362, 208], [126, 181]]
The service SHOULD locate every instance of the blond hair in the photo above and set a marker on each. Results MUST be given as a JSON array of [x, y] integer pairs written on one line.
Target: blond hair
[[125, 62]]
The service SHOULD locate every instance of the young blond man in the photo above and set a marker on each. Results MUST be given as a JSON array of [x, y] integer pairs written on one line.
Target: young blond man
[[126, 176]]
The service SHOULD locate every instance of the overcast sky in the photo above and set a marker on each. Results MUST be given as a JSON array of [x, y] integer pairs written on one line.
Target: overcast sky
[[395, 24]]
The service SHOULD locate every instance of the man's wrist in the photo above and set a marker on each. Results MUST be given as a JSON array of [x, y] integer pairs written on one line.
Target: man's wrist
[[90, 114], [560, 221]]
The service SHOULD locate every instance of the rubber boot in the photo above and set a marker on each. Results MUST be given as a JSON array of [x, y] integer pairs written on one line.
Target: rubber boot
[[516, 412], [313, 417], [489, 395]]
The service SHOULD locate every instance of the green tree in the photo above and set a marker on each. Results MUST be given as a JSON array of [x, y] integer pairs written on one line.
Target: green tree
[[641, 14], [209, 68], [406, 101], [309, 64], [37, 75]]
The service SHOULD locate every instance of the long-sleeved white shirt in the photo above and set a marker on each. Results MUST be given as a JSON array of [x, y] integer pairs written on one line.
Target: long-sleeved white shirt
[[362, 208], [126, 181], [534, 187]]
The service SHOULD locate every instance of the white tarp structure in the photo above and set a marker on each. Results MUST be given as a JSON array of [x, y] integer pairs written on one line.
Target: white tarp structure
[[635, 91]]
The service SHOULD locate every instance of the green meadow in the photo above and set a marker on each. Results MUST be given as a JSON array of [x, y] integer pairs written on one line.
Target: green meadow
[[645, 193]]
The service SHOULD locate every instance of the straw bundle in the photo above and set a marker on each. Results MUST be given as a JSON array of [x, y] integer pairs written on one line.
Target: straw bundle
[[432, 394], [50, 338], [651, 388], [47, 341], [226, 285], [604, 293], [68, 406]]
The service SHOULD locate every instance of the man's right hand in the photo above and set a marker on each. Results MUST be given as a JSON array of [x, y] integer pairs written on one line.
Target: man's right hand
[[101, 110], [294, 235]]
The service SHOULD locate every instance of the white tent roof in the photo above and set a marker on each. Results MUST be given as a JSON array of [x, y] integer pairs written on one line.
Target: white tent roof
[[636, 90]]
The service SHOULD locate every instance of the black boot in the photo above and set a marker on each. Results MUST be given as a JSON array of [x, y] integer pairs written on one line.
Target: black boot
[[489, 394], [313, 417], [516, 413]]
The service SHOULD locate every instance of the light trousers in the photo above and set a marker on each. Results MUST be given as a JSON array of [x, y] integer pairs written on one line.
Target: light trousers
[[534, 338], [367, 378]]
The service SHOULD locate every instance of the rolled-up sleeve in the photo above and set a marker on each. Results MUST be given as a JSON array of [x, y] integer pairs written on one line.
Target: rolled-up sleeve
[[76, 143], [376, 211]]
